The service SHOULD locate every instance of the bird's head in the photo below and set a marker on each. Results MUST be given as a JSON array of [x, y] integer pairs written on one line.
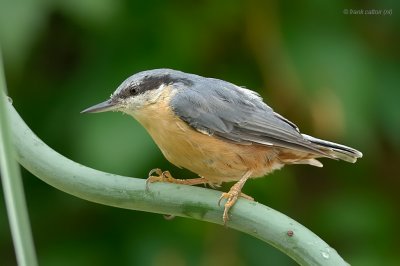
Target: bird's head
[[140, 90]]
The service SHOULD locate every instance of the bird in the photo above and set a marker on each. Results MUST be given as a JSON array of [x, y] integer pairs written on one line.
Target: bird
[[218, 130]]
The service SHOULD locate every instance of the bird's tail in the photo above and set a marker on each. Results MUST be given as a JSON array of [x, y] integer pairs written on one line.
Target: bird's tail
[[334, 150]]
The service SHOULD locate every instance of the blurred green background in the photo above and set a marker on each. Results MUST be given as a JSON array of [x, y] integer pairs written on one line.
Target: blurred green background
[[335, 75]]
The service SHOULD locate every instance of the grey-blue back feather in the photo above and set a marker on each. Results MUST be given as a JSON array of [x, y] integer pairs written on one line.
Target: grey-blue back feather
[[236, 114]]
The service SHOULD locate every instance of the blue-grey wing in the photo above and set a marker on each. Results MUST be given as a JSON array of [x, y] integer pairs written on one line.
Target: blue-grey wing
[[236, 114]]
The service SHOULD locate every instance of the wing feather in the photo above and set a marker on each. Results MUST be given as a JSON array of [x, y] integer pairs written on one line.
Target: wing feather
[[236, 114]]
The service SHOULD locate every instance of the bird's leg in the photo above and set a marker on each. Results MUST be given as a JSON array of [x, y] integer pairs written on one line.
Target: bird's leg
[[234, 193], [166, 176]]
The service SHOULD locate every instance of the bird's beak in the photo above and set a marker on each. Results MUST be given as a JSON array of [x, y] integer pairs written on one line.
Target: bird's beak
[[102, 107]]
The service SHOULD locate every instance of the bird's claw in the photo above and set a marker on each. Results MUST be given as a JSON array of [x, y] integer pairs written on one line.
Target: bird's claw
[[161, 176], [232, 196]]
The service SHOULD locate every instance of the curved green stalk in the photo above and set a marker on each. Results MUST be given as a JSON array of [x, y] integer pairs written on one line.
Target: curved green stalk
[[250, 217], [12, 186]]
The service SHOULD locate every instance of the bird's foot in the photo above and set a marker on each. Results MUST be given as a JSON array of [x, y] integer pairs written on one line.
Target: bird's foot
[[160, 176], [156, 175], [232, 196]]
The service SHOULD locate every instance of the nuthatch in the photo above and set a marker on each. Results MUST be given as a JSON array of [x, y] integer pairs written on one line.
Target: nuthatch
[[218, 130]]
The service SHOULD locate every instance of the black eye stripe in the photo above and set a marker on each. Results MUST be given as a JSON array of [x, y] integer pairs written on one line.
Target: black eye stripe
[[150, 83]]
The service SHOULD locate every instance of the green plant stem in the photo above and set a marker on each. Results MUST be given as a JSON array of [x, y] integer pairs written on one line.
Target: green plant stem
[[12, 186], [186, 201]]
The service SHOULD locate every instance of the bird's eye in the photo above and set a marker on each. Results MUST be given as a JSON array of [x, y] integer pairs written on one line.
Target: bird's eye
[[133, 90]]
